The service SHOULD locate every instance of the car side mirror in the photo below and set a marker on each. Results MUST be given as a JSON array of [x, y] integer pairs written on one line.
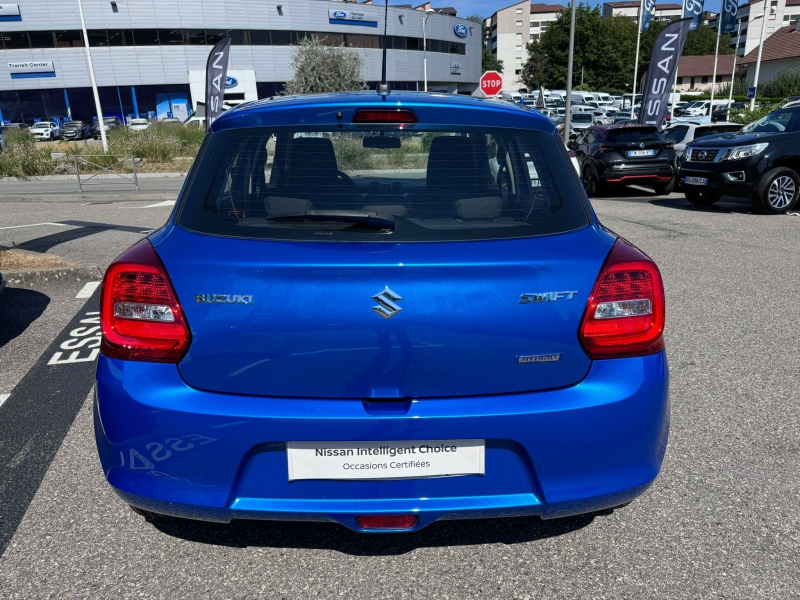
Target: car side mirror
[[572, 145]]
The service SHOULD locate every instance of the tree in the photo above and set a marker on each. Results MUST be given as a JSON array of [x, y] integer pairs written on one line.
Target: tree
[[320, 68], [491, 62], [703, 40], [534, 71], [476, 18]]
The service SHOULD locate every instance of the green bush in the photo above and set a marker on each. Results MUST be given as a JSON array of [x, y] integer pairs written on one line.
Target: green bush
[[785, 83], [24, 157], [747, 116]]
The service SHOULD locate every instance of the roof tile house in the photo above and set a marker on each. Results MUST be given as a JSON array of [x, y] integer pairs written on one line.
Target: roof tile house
[[781, 51], [695, 73]]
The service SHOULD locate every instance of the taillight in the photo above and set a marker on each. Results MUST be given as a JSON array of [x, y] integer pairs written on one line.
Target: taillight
[[669, 146], [625, 313], [606, 149], [139, 311]]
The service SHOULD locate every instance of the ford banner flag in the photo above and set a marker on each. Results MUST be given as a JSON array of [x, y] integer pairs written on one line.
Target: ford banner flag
[[216, 73], [728, 16], [648, 12], [693, 9], [661, 73]]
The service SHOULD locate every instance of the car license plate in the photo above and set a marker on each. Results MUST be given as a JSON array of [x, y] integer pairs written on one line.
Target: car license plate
[[695, 180], [385, 460], [641, 152]]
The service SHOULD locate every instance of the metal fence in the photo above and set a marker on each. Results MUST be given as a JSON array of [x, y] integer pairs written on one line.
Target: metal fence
[[103, 169]]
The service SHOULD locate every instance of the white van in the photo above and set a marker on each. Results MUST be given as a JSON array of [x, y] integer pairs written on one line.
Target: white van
[[514, 97]]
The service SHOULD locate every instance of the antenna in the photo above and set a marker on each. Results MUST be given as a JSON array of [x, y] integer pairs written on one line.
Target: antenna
[[383, 87]]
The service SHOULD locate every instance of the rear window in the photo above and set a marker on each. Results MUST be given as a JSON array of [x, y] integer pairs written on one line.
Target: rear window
[[386, 186], [715, 130], [582, 118], [633, 134]]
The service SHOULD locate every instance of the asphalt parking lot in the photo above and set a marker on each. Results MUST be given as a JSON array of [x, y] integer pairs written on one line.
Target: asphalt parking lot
[[722, 520]]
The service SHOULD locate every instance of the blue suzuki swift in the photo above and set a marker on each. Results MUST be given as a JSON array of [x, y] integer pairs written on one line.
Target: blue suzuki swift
[[381, 310]]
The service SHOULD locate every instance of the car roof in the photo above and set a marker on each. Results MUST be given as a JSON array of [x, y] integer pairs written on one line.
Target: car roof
[[433, 108]]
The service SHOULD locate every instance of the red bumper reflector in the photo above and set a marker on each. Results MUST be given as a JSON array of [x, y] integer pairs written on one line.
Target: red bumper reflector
[[387, 522], [384, 116]]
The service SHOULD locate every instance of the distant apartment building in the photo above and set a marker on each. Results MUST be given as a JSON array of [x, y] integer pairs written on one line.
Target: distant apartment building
[[630, 8], [781, 13], [510, 29]]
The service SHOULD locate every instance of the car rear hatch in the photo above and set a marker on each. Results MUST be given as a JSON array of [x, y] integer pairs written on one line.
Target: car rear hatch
[[403, 320], [635, 144]]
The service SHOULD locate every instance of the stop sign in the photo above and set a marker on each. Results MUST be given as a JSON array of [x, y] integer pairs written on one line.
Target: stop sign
[[491, 83]]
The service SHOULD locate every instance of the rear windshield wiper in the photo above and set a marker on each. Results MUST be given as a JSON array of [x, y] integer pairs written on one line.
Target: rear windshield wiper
[[363, 218]]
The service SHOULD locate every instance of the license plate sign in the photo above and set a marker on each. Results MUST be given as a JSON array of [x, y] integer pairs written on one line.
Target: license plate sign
[[695, 180], [385, 460], [641, 152]]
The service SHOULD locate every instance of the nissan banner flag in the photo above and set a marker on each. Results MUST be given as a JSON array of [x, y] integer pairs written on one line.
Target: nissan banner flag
[[693, 9], [648, 12], [661, 73], [728, 16], [216, 72]]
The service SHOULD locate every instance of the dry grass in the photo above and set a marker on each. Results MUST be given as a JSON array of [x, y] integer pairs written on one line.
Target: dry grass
[[18, 259]]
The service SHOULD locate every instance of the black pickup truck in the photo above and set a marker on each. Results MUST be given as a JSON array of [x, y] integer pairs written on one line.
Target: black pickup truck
[[761, 162]]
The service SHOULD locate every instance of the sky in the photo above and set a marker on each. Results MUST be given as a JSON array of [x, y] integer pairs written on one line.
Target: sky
[[486, 8]]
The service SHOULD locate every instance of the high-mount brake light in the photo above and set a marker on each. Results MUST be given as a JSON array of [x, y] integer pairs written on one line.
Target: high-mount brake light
[[389, 117], [625, 313], [140, 315]]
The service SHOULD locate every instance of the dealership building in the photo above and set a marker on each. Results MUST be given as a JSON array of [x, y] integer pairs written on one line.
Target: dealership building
[[149, 56]]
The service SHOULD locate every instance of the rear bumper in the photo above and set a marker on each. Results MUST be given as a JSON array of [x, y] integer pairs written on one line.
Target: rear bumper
[[660, 172], [175, 450]]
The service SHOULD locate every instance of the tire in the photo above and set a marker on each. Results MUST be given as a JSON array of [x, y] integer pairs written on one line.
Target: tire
[[667, 188], [702, 198], [589, 181], [777, 192]]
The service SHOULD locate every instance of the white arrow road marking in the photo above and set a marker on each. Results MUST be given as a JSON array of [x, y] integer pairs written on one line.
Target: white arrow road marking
[[88, 289], [36, 225]]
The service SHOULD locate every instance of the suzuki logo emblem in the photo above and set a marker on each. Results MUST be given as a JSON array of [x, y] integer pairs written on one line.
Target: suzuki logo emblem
[[386, 299]]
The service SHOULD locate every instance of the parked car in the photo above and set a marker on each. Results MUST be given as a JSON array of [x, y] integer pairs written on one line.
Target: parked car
[[138, 124], [721, 112], [624, 155], [15, 127], [759, 162], [581, 121], [681, 134], [170, 122], [195, 122], [307, 341], [45, 131], [109, 123], [76, 130]]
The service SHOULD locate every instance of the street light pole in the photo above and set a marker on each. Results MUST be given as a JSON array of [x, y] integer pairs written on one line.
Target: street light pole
[[733, 73], [760, 50], [636, 64], [428, 13], [100, 123], [568, 112]]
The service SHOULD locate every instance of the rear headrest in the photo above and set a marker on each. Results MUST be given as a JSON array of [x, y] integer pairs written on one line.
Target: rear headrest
[[452, 164], [311, 163]]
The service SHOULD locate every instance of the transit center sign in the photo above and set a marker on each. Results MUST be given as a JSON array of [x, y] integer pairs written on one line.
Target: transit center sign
[[491, 83]]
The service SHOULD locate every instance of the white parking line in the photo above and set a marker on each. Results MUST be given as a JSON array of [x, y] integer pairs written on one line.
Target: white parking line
[[88, 289], [35, 225], [3, 398], [160, 204]]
